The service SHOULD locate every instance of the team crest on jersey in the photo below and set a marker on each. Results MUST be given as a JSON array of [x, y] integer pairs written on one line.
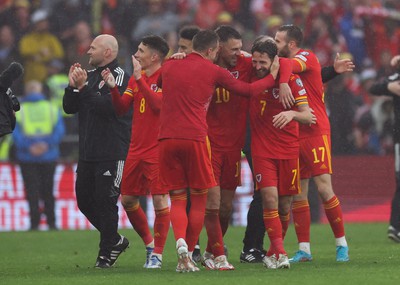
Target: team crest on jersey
[[258, 178], [101, 84], [235, 74], [275, 93], [299, 82], [154, 87]]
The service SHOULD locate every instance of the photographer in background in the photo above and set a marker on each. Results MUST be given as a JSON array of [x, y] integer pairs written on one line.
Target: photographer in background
[[8, 102], [390, 86]]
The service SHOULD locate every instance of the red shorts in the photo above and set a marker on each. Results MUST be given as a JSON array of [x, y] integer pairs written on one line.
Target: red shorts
[[315, 156], [280, 173], [185, 163], [140, 178], [226, 167]]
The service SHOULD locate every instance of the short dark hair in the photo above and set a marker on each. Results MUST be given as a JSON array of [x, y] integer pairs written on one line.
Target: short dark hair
[[156, 43], [293, 33], [226, 32], [262, 38], [188, 32], [268, 46], [204, 40]]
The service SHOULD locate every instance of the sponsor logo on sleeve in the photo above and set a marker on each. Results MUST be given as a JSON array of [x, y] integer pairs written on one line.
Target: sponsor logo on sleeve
[[302, 92], [301, 57], [299, 82]]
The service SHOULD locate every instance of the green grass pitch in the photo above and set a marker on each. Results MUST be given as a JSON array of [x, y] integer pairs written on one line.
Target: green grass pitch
[[67, 257]]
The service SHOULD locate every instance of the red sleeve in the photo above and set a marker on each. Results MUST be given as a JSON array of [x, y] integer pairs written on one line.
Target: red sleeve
[[155, 98], [122, 103], [285, 69], [297, 66], [226, 80]]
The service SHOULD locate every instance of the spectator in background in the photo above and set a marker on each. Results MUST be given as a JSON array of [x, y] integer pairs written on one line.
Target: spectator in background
[[324, 40], [8, 49], [207, 13], [158, 21], [352, 28], [77, 47], [39, 47], [20, 15], [65, 14], [37, 136], [56, 84]]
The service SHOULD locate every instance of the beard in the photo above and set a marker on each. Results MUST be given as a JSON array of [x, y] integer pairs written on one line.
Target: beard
[[284, 52]]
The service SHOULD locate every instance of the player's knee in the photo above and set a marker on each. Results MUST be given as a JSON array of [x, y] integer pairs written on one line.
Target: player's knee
[[225, 211], [160, 201], [129, 202], [270, 202]]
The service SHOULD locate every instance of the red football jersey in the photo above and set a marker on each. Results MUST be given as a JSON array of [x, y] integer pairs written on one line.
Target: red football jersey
[[226, 116], [306, 64], [145, 121], [266, 140], [188, 85]]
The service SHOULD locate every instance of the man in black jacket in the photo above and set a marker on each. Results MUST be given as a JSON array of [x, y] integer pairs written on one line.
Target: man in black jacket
[[103, 144], [390, 86]]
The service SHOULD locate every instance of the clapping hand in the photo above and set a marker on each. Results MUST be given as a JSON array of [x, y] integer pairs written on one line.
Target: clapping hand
[[108, 78]]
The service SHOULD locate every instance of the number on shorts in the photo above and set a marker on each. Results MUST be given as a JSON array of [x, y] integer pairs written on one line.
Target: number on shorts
[[320, 158], [294, 171]]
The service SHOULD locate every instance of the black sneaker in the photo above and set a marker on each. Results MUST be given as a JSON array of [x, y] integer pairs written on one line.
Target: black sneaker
[[394, 234], [252, 256], [196, 256], [102, 262], [117, 249]]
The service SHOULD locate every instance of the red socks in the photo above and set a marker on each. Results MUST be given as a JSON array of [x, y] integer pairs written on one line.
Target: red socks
[[215, 243], [139, 222], [198, 199], [179, 219], [334, 214], [285, 224], [161, 228], [273, 228], [302, 220]]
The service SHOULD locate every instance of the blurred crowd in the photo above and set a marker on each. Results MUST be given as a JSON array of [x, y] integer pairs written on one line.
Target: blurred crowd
[[48, 36]]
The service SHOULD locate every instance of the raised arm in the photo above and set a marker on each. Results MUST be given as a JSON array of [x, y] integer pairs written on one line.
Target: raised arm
[[154, 98], [338, 67]]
